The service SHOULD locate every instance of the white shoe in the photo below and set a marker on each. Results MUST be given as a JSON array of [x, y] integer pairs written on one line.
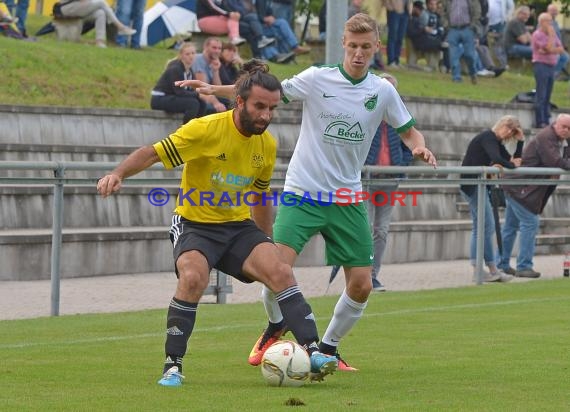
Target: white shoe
[[485, 73], [504, 276], [265, 41], [126, 31], [488, 277], [238, 41]]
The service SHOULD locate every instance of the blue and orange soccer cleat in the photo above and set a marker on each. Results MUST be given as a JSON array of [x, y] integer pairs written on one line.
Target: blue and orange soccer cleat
[[343, 365], [265, 341], [322, 365], [171, 377]]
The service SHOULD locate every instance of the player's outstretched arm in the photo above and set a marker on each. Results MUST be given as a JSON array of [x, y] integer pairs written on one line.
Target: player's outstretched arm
[[227, 91], [136, 162], [416, 142]]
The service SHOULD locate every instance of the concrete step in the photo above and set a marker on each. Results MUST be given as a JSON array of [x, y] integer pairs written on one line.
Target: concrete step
[[30, 206], [25, 253]]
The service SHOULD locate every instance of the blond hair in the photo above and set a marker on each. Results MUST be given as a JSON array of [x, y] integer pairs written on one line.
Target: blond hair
[[361, 23]]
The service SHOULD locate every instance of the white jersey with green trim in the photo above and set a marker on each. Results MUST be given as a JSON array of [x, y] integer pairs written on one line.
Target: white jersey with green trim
[[340, 118]]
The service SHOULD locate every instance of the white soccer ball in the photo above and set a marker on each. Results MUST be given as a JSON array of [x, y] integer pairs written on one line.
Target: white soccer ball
[[285, 363]]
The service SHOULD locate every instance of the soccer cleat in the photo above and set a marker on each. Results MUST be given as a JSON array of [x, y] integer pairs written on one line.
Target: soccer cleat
[[171, 377], [265, 341], [343, 365], [322, 365]]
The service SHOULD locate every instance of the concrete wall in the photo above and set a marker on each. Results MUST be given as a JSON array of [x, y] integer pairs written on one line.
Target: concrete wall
[[125, 234]]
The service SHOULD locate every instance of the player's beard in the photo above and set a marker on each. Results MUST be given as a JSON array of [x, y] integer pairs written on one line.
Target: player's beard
[[249, 125]]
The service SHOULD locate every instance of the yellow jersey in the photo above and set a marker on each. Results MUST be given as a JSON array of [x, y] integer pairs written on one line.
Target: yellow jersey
[[222, 168]]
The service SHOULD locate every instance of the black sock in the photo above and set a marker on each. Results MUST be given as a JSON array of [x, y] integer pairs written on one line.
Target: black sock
[[327, 349], [298, 316], [275, 327], [179, 324]]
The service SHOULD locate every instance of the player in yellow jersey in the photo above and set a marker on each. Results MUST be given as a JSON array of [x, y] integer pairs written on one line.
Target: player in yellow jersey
[[225, 155]]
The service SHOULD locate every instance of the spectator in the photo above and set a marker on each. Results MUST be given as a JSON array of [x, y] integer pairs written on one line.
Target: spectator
[[549, 148], [560, 72], [287, 43], [165, 96], [397, 14], [517, 35], [130, 12], [424, 28], [285, 9], [230, 64], [354, 7], [484, 62], [250, 26], [500, 11], [230, 67], [20, 13], [8, 24], [206, 67], [387, 149], [100, 12], [215, 17], [546, 49], [461, 19], [487, 149]]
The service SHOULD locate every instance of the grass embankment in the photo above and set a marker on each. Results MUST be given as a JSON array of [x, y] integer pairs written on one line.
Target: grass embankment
[[48, 72]]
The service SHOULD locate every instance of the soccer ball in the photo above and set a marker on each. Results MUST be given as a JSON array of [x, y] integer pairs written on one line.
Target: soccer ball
[[285, 363]]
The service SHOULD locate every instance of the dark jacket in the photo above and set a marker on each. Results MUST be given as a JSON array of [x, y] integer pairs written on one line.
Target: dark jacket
[[205, 8], [400, 154], [486, 150], [544, 150], [174, 72], [421, 40]]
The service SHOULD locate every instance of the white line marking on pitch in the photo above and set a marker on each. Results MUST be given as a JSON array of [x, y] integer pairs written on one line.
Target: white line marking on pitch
[[251, 325]]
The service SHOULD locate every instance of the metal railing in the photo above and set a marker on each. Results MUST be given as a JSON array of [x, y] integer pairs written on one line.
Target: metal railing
[[413, 175]]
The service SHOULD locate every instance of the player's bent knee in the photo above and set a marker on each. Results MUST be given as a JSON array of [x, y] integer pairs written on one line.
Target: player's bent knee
[[191, 280], [280, 278]]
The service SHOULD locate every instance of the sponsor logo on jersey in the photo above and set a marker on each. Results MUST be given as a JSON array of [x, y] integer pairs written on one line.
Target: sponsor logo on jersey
[[370, 102], [345, 131], [221, 156], [257, 160], [328, 96]]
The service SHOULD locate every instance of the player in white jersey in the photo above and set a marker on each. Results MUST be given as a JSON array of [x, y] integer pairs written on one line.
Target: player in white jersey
[[342, 108]]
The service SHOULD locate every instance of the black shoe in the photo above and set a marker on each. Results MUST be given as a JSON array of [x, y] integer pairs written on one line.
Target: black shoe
[[377, 286], [527, 273], [509, 271], [283, 58], [498, 72]]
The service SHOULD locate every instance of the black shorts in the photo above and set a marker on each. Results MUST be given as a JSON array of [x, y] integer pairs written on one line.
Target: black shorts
[[225, 245]]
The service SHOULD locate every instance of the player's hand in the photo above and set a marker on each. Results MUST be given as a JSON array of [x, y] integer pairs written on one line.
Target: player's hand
[[219, 107], [426, 155], [108, 185], [198, 85]]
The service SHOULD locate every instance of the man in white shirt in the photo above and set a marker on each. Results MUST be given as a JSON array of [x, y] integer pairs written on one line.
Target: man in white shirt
[[500, 11], [343, 106]]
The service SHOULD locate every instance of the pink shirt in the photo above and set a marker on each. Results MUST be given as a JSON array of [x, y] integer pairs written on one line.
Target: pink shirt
[[539, 41]]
